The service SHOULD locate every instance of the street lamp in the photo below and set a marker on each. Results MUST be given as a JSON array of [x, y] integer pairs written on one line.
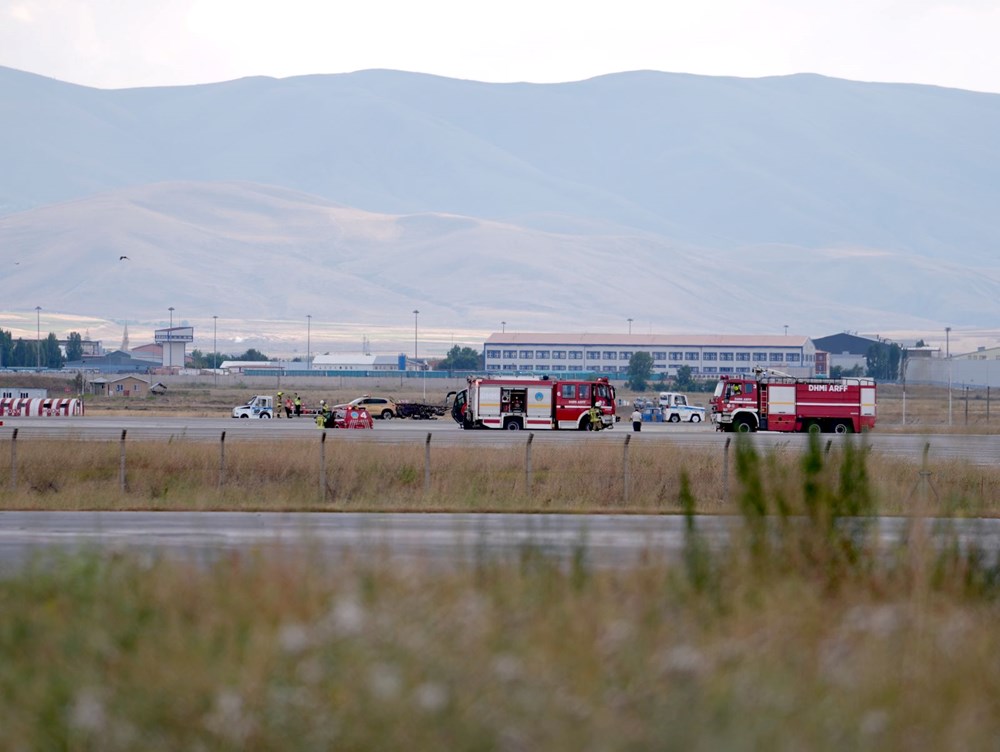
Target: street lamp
[[309, 320], [503, 327], [786, 330], [947, 354], [416, 313], [630, 326], [38, 335], [215, 348]]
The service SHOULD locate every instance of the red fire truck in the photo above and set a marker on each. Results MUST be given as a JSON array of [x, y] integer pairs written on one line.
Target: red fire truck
[[772, 401], [538, 403]]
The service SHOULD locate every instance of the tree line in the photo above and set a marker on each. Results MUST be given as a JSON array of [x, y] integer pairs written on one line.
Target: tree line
[[32, 353]]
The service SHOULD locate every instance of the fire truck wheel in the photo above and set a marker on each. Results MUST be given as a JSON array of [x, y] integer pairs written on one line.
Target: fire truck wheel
[[675, 418], [742, 425], [814, 427], [841, 427], [513, 425]]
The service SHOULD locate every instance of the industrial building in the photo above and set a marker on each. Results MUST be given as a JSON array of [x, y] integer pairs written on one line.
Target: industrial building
[[707, 355]]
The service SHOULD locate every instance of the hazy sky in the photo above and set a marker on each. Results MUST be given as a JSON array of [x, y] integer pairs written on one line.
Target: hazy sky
[[120, 43]]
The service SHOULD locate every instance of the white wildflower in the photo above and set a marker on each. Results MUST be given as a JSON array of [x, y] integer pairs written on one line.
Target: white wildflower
[[293, 638], [384, 681], [431, 697], [87, 713]]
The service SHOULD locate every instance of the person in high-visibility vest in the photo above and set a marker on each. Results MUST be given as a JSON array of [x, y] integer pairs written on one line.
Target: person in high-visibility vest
[[277, 405], [298, 405], [595, 418]]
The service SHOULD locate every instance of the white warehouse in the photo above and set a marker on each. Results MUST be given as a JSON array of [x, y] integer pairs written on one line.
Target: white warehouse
[[707, 355]]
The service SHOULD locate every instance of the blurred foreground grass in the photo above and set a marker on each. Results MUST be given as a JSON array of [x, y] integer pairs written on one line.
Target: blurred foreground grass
[[801, 634]]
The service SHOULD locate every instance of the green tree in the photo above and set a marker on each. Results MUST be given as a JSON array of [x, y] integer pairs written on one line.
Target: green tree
[[6, 349], [251, 354], [883, 360], [74, 347], [52, 356], [685, 380], [461, 359], [640, 369]]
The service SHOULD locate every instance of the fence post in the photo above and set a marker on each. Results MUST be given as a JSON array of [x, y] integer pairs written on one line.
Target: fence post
[[427, 465], [987, 403], [966, 405], [527, 462], [725, 469], [121, 463], [13, 460], [322, 467], [628, 437], [222, 459]]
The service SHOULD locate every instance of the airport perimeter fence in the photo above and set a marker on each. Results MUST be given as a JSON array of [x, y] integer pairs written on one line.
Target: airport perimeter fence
[[617, 471]]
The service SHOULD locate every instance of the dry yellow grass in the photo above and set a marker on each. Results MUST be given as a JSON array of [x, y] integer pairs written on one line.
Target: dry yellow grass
[[180, 475]]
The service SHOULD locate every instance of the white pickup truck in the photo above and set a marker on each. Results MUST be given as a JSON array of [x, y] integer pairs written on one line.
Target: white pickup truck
[[676, 408], [260, 406]]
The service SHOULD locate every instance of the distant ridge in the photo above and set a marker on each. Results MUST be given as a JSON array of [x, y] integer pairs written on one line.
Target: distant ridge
[[694, 202]]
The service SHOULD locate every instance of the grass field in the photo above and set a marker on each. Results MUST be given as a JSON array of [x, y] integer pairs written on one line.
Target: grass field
[[800, 635]]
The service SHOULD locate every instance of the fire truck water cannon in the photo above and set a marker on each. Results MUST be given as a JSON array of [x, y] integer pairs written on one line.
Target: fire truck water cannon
[[776, 401]]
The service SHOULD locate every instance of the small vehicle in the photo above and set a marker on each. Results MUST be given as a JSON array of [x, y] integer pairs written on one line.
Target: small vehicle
[[259, 406], [676, 409], [378, 407]]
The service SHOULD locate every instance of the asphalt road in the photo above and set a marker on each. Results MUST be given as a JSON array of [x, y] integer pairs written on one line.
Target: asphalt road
[[976, 449], [436, 539]]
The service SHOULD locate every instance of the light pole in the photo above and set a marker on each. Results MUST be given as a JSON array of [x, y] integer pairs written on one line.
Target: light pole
[[786, 330], [309, 320], [416, 313], [215, 348], [503, 327], [630, 326], [38, 335], [947, 354], [170, 350]]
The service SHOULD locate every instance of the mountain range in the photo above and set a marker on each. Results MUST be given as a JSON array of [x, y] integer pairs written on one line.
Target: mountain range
[[685, 203]]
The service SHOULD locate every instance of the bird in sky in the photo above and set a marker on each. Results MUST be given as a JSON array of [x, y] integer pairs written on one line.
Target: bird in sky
[[124, 258]]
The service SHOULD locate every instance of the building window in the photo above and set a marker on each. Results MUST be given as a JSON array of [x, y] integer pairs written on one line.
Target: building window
[[542, 354], [492, 353], [541, 368], [659, 356], [709, 369], [528, 367], [742, 369], [726, 357], [743, 356], [710, 356], [576, 355], [793, 358], [760, 357], [725, 369], [625, 355], [690, 356], [510, 353], [777, 358], [676, 356], [610, 369], [525, 354], [558, 368], [508, 367], [593, 354], [610, 355], [558, 355]]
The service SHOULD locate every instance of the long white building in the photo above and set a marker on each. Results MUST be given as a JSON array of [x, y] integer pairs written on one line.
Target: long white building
[[707, 355]]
